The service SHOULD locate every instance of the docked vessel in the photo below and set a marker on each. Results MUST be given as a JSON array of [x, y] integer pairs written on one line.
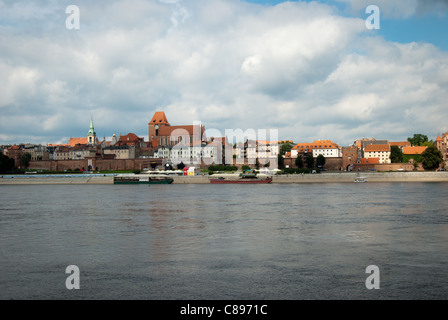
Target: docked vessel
[[360, 179], [251, 180], [243, 178], [142, 180]]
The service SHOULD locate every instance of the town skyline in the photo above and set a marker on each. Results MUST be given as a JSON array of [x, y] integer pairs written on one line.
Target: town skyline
[[311, 69], [65, 140], [193, 145]]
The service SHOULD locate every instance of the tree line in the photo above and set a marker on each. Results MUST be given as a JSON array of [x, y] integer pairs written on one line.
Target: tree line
[[430, 159]]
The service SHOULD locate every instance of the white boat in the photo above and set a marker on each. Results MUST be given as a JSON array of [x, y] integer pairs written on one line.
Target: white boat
[[360, 179]]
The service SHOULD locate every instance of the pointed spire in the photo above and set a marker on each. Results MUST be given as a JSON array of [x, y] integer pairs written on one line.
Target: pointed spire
[[91, 130]]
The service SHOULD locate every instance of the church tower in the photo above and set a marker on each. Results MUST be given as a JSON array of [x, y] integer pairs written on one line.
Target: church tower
[[158, 121], [91, 135], [439, 144]]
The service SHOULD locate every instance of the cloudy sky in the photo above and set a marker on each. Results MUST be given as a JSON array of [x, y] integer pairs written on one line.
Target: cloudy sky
[[312, 70]]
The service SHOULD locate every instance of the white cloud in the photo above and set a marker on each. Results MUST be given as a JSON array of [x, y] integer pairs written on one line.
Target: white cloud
[[297, 66]]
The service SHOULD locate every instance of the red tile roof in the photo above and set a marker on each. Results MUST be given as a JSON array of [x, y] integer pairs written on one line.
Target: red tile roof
[[74, 141], [167, 130], [377, 148], [317, 144], [414, 150], [370, 161], [400, 144], [266, 142], [159, 118], [130, 137]]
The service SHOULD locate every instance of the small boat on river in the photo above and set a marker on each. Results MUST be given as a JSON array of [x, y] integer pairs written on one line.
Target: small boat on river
[[244, 181], [142, 180], [244, 178], [360, 179]]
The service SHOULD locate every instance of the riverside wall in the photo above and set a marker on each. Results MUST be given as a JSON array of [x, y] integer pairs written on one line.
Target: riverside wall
[[36, 180], [344, 177], [371, 177]]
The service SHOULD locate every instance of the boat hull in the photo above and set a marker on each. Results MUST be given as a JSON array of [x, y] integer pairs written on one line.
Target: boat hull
[[240, 181], [161, 181]]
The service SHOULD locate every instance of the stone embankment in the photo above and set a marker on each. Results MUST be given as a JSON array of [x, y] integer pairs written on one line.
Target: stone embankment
[[370, 176], [36, 180], [344, 177]]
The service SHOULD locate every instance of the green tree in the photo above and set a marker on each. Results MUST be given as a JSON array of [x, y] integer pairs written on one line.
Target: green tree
[[431, 158], [25, 159], [180, 166], [415, 165], [418, 139], [309, 160], [396, 155], [320, 161], [286, 147], [299, 162], [280, 161], [6, 163]]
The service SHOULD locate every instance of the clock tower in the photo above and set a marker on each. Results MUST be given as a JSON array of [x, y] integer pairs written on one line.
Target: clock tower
[[156, 124]]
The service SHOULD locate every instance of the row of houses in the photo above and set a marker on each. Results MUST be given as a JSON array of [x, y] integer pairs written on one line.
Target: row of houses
[[189, 144], [363, 152]]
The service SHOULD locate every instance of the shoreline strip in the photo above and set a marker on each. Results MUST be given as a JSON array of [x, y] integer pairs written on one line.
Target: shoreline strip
[[277, 179]]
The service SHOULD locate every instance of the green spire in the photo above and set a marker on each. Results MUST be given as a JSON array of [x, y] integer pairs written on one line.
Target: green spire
[[91, 130]]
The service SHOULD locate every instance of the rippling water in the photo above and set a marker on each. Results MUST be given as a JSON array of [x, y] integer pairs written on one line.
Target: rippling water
[[285, 242]]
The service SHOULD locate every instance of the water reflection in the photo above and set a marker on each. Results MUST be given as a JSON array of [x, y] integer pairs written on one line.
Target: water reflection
[[226, 242]]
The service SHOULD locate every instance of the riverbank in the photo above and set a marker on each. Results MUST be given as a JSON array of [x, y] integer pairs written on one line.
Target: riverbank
[[57, 179], [344, 177]]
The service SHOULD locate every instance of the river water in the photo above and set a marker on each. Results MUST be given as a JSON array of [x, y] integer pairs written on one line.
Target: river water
[[278, 242]]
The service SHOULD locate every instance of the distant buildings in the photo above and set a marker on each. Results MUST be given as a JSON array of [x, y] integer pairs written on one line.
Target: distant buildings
[[326, 148], [185, 144], [379, 151], [188, 144], [400, 144], [120, 151], [161, 133], [442, 144], [349, 157]]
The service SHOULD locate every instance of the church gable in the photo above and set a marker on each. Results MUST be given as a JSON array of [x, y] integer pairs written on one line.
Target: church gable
[[159, 118]]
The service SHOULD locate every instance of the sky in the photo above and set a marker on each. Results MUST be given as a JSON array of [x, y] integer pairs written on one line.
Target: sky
[[310, 69]]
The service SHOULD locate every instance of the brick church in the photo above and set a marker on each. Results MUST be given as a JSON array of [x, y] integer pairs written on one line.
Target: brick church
[[161, 133]]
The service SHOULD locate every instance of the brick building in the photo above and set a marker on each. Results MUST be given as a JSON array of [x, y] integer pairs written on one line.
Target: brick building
[[441, 144], [381, 151], [161, 133], [349, 157]]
